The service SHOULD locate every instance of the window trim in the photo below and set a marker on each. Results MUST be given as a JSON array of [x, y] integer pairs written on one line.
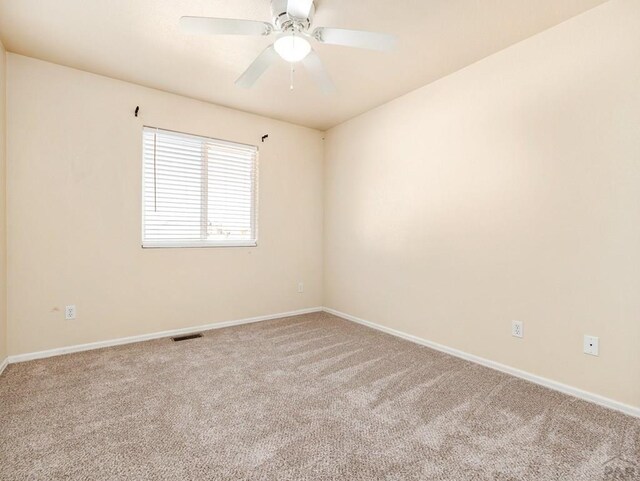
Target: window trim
[[191, 244]]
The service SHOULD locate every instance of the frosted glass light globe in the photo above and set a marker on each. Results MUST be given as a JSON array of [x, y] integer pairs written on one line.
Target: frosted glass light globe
[[292, 48]]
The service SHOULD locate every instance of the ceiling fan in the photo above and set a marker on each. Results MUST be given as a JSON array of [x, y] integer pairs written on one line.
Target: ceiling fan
[[291, 25]]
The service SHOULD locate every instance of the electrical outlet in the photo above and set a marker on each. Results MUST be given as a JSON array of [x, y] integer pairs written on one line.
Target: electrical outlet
[[591, 345], [70, 312], [517, 329], [300, 287]]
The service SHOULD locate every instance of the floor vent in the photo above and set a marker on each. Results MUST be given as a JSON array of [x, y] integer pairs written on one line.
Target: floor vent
[[186, 338]]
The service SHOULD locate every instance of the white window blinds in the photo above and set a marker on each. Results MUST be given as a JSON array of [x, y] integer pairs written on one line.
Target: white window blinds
[[198, 191]]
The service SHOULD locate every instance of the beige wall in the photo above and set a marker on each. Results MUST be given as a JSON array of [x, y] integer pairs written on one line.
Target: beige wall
[[3, 192], [74, 180], [509, 190]]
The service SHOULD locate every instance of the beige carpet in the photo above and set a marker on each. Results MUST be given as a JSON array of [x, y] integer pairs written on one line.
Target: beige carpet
[[311, 397]]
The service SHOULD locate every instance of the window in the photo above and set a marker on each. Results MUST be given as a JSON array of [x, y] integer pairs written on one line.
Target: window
[[198, 192]]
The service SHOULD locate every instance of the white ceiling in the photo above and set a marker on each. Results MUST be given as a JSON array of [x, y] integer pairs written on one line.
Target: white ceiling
[[139, 41]]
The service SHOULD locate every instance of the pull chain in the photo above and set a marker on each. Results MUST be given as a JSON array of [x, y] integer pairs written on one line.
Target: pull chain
[[293, 71]]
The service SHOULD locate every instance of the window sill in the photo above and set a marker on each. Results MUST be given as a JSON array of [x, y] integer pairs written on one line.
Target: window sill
[[196, 245]]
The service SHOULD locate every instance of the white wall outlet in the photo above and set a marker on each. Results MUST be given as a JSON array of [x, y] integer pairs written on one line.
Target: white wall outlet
[[70, 312], [517, 328], [300, 287], [591, 345]]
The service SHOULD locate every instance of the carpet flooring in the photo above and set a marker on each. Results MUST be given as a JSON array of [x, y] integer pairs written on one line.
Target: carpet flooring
[[310, 397]]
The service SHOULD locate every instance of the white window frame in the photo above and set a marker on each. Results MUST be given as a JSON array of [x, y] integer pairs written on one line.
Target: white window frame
[[202, 242]]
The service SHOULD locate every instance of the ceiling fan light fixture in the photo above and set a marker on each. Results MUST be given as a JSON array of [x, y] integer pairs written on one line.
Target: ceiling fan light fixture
[[292, 48], [292, 21]]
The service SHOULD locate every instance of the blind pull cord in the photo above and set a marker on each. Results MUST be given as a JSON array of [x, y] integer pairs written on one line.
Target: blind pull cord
[[155, 175]]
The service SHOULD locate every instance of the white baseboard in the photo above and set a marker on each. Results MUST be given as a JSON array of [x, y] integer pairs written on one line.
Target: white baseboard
[[146, 337], [557, 386]]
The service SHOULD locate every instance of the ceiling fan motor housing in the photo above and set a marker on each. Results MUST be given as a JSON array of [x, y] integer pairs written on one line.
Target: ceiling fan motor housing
[[285, 22]]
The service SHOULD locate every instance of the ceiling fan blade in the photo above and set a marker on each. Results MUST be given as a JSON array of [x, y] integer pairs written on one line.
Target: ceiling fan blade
[[355, 38], [299, 8], [259, 66], [319, 74], [224, 26]]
